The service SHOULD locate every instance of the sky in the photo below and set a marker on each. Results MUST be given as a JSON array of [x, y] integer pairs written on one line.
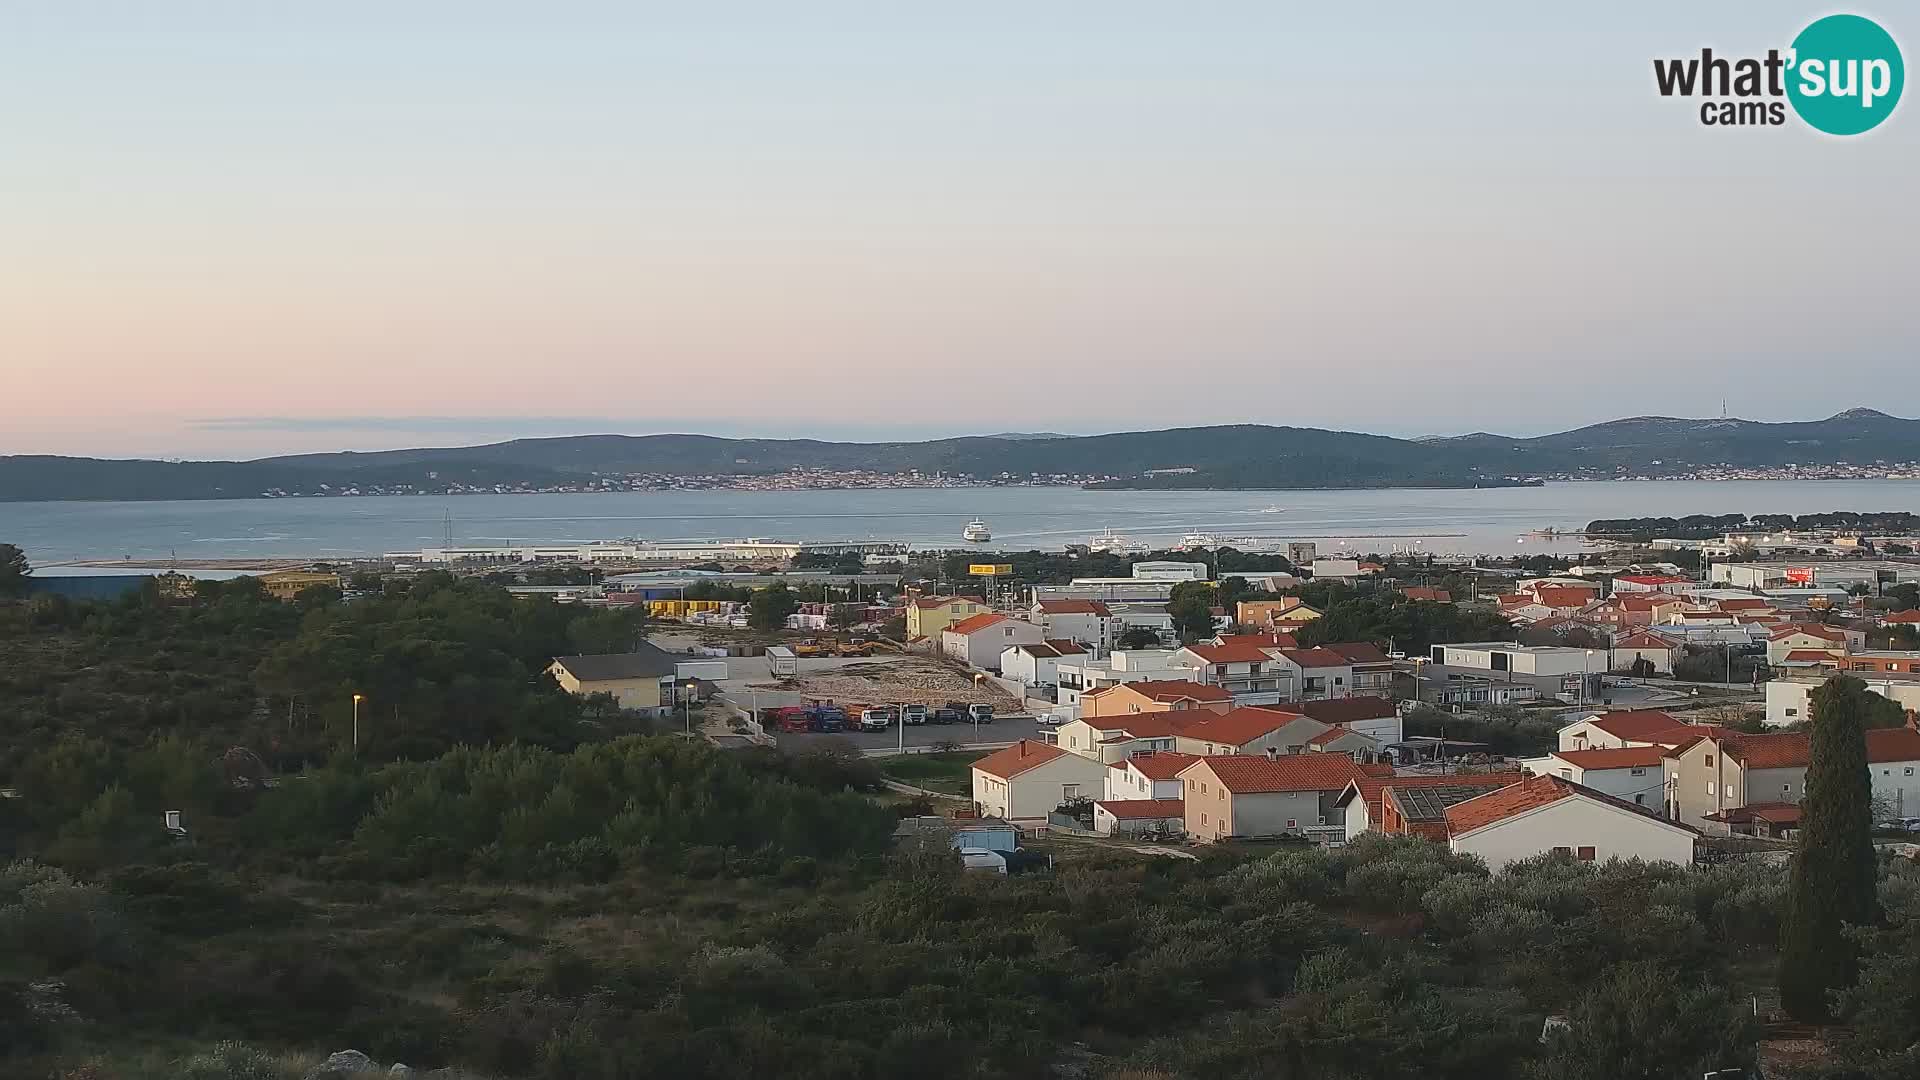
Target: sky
[[232, 229]]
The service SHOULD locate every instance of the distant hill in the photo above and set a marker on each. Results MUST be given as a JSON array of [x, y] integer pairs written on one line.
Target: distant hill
[[1231, 456]]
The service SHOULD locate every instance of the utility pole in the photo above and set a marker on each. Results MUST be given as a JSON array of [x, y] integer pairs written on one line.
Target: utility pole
[[357, 698]]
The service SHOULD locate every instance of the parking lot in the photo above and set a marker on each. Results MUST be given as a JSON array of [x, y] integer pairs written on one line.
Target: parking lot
[[1005, 729]]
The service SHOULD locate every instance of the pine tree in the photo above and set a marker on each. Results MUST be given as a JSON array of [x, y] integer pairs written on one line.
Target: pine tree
[[1833, 879]]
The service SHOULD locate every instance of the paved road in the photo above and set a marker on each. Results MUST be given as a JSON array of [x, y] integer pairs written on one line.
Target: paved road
[[1006, 729]]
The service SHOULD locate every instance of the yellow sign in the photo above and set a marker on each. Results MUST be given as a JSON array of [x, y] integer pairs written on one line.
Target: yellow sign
[[981, 569]]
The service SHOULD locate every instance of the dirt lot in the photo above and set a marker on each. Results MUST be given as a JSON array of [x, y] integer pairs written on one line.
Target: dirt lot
[[902, 680]]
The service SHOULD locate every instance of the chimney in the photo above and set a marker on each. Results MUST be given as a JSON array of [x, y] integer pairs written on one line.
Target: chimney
[[1913, 720], [1273, 753]]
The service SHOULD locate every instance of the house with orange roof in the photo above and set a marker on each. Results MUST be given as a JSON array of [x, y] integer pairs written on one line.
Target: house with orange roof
[[1632, 773], [927, 616], [1631, 583], [1251, 670], [1543, 814], [1249, 731], [1426, 594], [1110, 739], [1713, 773], [1089, 622], [1153, 695], [1624, 610], [1645, 645], [1131, 817], [1151, 774], [1244, 796], [1620, 727], [978, 640], [1361, 805], [1373, 669], [1803, 637], [1377, 718], [1028, 780], [1910, 617]]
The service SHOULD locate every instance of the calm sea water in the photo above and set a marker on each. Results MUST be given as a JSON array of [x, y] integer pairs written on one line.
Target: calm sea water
[[1479, 521]]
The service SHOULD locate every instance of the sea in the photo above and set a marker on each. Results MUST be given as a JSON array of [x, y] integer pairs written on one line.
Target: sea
[[1498, 521]]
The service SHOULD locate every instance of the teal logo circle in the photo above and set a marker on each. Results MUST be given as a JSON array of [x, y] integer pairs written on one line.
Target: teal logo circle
[[1845, 75]]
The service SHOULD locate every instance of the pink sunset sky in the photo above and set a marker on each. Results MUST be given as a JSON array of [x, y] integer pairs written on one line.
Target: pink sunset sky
[[240, 229]]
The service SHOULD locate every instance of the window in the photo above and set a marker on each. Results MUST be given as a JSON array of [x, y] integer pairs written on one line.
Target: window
[[1640, 799], [1909, 770], [1709, 762], [1566, 774], [1563, 851], [1793, 712], [1223, 794], [1586, 854], [1786, 789], [1069, 791], [1637, 771], [1293, 823]]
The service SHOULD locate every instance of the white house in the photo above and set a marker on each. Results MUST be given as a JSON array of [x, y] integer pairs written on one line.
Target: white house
[[1632, 773], [1521, 659], [1790, 698], [1037, 664], [1648, 646], [1027, 780], [1084, 675], [1089, 622], [1613, 730], [978, 641], [1375, 717], [1549, 814], [1801, 637], [1148, 775]]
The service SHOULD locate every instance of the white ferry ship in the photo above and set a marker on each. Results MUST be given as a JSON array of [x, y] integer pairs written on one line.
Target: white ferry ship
[[976, 532]]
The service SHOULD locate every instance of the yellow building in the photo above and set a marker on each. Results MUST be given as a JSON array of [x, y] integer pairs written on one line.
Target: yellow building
[[929, 615], [1286, 613], [288, 584], [641, 681]]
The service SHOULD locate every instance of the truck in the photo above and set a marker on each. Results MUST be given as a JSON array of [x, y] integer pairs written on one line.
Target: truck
[[969, 713], [913, 714], [812, 648], [791, 719]]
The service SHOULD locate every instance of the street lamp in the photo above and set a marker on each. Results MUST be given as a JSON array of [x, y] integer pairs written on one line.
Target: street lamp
[[357, 699], [978, 679]]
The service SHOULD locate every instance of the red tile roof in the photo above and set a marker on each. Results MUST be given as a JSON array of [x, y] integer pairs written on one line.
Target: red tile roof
[[1903, 617], [1564, 597], [973, 623], [1074, 607], [1271, 640], [1252, 774], [1893, 744], [1741, 604], [1137, 809], [1344, 710], [1018, 758], [1785, 750], [1530, 794], [1146, 725], [1644, 640], [1377, 769], [1160, 764], [1066, 646], [1050, 648], [1810, 629], [1634, 724], [1631, 757], [1237, 727], [1774, 813], [1421, 592], [1321, 657], [1171, 690], [1653, 579], [1816, 656], [1358, 652]]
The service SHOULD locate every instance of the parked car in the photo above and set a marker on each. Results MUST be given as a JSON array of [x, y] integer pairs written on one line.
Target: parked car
[[945, 716], [913, 714], [876, 719]]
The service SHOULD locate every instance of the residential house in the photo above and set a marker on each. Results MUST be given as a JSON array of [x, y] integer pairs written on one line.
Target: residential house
[[1647, 583], [1611, 730], [1645, 645], [1084, 675], [927, 616], [1249, 731], [1339, 740], [1715, 773], [1253, 673], [641, 680], [1320, 672], [1375, 717], [1110, 739], [1089, 622], [1910, 617], [1036, 664], [1156, 695], [1372, 669], [1428, 595], [1790, 696], [1254, 796], [1130, 817], [1028, 780], [1632, 773], [1284, 613], [1151, 774], [1551, 814], [1811, 636], [978, 640], [1361, 803], [1623, 610]]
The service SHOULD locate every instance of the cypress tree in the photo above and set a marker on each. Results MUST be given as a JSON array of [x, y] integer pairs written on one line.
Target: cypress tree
[[1833, 878]]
